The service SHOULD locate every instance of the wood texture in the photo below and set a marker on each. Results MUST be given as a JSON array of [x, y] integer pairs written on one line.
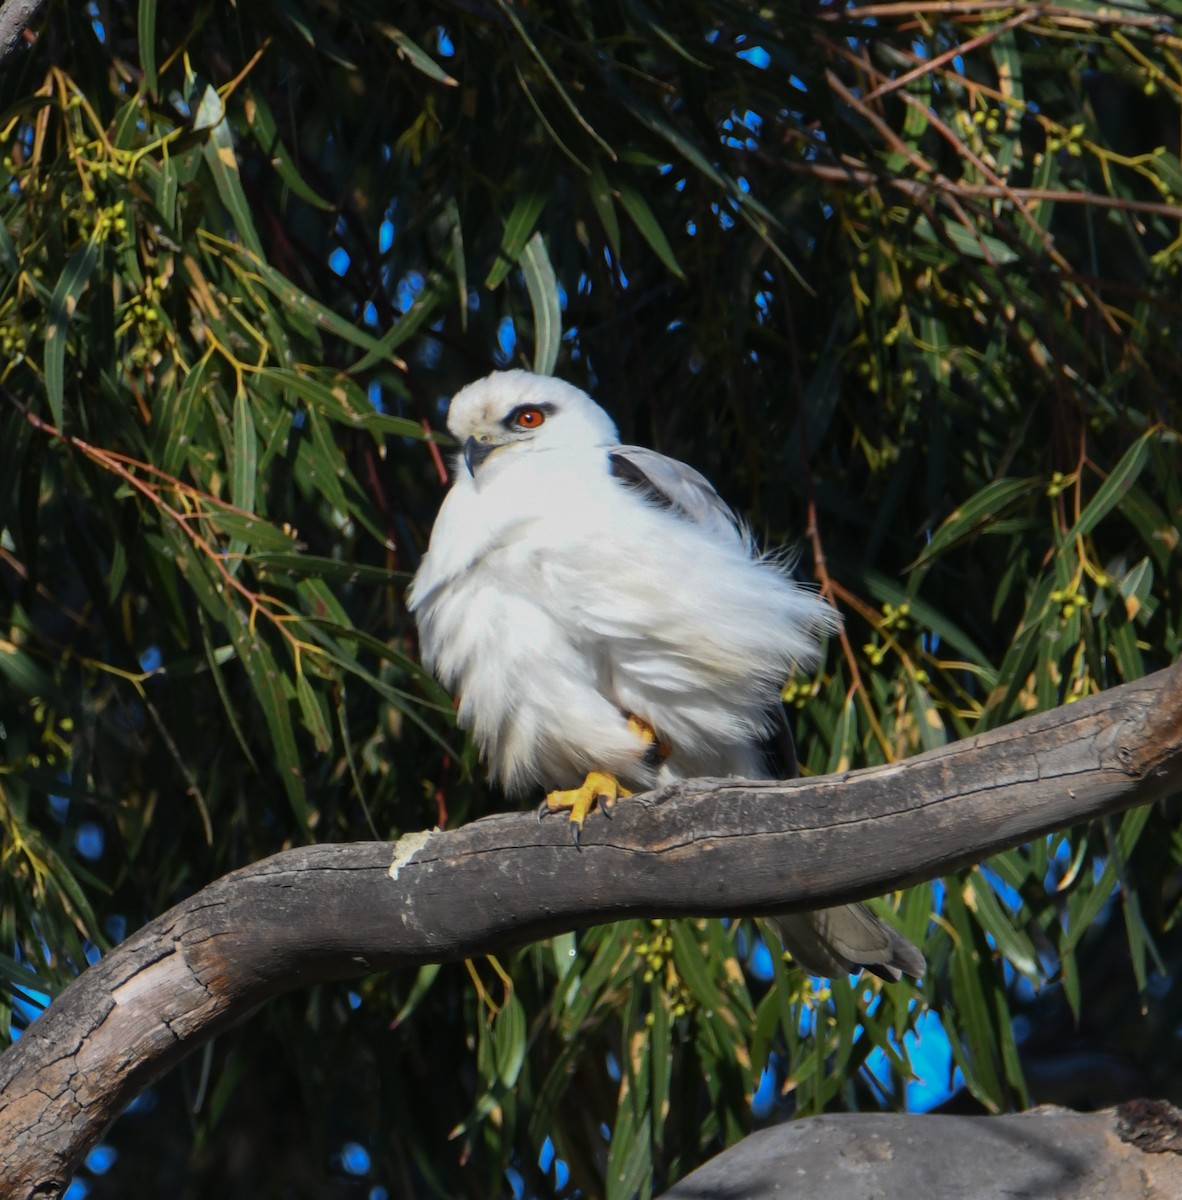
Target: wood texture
[[704, 847], [1127, 1153], [16, 16]]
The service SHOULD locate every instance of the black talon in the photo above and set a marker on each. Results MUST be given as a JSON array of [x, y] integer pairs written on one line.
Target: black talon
[[576, 830]]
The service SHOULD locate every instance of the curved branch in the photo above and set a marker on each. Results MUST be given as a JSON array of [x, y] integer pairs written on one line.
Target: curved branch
[[705, 847], [15, 17]]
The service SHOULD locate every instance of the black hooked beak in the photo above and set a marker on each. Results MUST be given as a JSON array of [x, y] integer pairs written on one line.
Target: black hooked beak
[[475, 453]]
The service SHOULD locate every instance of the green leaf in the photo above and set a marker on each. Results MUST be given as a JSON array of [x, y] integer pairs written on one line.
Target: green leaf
[[262, 671], [661, 1055], [1136, 591], [637, 207], [223, 166], [936, 347], [215, 657], [414, 54], [425, 307], [167, 180], [692, 966], [1157, 532], [65, 299], [509, 1030], [1069, 974], [1088, 901], [1021, 655], [17, 975], [262, 124], [542, 285], [424, 979], [916, 121], [437, 697], [403, 702], [1008, 60], [844, 743], [564, 952], [322, 603], [971, 242], [552, 76], [1113, 489], [178, 416], [532, 195], [629, 1160], [300, 302], [147, 43], [247, 530], [245, 459], [650, 117], [166, 555], [315, 720], [266, 681], [340, 400], [1011, 1059], [1047, 176], [458, 262], [25, 674], [600, 192], [973, 515], [341, 571], [68, 879], [324, 463], [1141, 945], [9, 259], [996, 921], [931, 727]]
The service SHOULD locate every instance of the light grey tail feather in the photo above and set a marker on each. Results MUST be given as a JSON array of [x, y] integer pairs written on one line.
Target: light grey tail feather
[[838, 941]]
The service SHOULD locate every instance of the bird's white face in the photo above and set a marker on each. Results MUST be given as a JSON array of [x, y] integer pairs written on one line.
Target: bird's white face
[[516, 411]]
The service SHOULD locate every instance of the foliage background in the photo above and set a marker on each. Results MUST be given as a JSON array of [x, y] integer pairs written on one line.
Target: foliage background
[[902, 279]]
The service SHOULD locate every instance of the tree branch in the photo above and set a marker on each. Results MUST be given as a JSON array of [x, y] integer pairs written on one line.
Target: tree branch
[[15, 17], [1053, 1153], [704, 847]]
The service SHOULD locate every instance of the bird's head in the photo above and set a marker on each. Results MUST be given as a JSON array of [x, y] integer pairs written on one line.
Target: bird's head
[[519, 412]]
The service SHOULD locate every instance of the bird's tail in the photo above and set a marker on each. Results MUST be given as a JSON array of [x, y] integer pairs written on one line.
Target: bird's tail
[[837, 941]]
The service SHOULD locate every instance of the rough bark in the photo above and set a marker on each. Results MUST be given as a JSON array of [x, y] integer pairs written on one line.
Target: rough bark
[[1127, 1153], [705, 847], [15, 17]]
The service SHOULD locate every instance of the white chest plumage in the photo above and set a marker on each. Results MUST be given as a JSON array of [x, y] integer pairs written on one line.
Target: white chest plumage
[[556, 599], [602, 616]]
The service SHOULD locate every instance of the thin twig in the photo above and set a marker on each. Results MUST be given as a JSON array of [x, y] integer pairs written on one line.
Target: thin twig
[[884, 131], [925, 68], [125, 467], [865, 176], [973, 8]]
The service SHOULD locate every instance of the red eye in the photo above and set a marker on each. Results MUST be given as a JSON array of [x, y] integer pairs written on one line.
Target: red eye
[[529, 418]]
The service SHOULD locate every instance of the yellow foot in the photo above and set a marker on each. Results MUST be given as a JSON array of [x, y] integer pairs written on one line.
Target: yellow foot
[[658, 749], [598, 788]]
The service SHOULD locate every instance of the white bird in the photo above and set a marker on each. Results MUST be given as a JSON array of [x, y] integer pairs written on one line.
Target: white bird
[[608, 625]]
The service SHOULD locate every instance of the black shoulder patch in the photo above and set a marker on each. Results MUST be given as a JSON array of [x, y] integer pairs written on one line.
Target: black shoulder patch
[[626, 471]]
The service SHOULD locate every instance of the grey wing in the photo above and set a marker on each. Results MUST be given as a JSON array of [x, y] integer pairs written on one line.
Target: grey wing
[[674, 485]]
